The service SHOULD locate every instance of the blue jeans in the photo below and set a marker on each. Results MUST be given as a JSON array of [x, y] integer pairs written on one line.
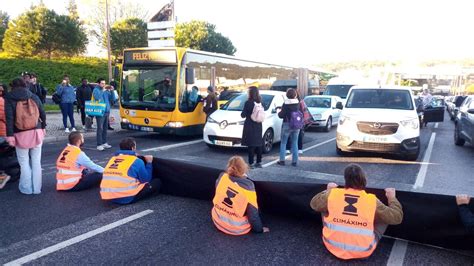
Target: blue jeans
[[67, 109], [30, 164], [286, 132], [102, 125]]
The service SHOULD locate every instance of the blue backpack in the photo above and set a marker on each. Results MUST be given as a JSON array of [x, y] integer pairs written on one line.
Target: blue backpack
[[296, 120]]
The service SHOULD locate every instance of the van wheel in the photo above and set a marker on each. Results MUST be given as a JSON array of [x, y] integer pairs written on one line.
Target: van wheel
[[268, 141], [458, 140], [328, 125]]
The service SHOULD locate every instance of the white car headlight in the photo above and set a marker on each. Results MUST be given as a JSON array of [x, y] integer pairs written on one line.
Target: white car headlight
[[210, 120], [343, 119], [317, 116], [412, 123]]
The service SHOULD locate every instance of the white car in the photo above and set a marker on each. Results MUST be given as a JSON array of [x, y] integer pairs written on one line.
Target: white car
[[323, 110], [225, 126], [382, 120]]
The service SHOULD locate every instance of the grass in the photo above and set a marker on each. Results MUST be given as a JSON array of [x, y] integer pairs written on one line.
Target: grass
[[51, 108]]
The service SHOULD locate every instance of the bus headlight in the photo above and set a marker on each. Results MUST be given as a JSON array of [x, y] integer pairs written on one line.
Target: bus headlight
[[412, 123], [174, 124], [125, 120]]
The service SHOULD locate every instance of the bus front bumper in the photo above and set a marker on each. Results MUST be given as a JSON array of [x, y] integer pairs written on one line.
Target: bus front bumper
[[180, 131]]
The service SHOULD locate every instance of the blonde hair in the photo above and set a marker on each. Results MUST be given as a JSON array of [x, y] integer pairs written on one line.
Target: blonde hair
[[236, 166]]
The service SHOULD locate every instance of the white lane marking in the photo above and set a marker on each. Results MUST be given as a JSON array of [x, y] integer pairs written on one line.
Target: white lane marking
[[420, 178], [77, 239], [162, 148], [397, 255], [436, 125], [304, 150]]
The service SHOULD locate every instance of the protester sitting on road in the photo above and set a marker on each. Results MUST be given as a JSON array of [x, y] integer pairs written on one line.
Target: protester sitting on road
[[75, 170], [68, 96], [467, 216], [235, 210], [126, 177], [3, 125], [353, 220], [26, 121]]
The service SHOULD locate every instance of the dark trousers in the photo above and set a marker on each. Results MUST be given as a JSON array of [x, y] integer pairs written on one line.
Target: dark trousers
[[148, 190], [300, 141], [83, 116], [102, 124], [67, 109], [252, 150], [88, 181]]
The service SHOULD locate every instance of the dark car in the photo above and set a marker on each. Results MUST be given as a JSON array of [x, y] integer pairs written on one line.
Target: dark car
[[454, 107], [464, 129]]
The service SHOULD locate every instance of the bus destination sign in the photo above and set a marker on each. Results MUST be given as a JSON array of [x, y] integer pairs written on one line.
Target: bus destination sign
[[150, 57]]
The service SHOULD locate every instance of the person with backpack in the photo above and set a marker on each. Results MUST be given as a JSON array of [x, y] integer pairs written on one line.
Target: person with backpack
[[26, 123], [252, 132], [307, 120], [293, 122]]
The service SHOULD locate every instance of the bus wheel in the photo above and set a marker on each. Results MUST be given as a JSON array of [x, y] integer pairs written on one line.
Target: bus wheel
[[268, 141]]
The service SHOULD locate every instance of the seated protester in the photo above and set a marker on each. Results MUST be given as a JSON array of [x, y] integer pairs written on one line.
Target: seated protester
[[126, 177], [75, 170], [467, 216], [353, 220], [235, 210]]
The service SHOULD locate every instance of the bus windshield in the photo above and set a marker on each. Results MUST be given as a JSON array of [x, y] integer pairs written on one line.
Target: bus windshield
[[149, 89], [338, 90]]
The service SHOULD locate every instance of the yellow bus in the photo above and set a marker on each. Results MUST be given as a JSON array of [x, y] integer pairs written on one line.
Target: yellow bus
[[161, 89], [463, 84]]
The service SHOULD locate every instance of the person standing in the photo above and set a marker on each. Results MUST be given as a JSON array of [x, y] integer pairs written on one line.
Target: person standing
[[68, 96], [252, 132], [210, 103], [105, 96], [3, 125], [290, 106], [37, 88], [83, 94], [354, 220], [26, 123], [307, 117]]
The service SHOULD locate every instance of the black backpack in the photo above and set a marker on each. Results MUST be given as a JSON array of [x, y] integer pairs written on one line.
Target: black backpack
[[56, 98]]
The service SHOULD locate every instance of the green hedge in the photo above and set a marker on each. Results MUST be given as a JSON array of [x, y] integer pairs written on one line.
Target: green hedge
[[50, 72]]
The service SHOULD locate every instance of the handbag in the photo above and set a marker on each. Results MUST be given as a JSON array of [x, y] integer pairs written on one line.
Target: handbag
[[95, 108]]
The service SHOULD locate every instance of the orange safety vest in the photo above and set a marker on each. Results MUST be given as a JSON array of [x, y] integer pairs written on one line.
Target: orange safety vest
[[230, 204], [68, 174], [348, 230], [116, 183]]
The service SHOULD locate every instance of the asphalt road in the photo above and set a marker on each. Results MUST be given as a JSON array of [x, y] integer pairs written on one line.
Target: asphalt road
[[171, 230]]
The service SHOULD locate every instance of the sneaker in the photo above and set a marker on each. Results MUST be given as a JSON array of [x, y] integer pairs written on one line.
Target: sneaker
[[100, 148], [73, 129], [281, 162], [252, 166], [106, 145], [3, 180], [67, 130], [258, 165], [288, 151], [300, 151], [294, 164]]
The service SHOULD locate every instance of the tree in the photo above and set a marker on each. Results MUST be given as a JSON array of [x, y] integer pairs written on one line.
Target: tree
[[42, 32], [128, 33], [201, 35], [4, 18], [72, 10]]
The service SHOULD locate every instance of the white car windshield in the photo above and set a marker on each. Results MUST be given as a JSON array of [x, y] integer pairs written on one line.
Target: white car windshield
[[318, 102], [237, 103], [380, 98]]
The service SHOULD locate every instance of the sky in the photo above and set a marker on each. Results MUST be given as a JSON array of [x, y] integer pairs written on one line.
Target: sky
[[311, 32]]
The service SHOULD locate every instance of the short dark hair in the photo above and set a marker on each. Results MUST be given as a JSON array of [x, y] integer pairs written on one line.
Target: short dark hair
[[66, 76], [355, 177], [291, 93], [74, 137], [18, 83], [128, 144], [83, 79], [99, 80]]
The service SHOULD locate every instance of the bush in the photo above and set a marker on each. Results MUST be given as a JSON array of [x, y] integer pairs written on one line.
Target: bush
[[50, 72]]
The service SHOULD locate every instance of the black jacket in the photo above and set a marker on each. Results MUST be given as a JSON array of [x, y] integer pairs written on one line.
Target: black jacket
[[39, 91], [83, 94], [11, 99], [290, 105], [467, 217], [252, 133]]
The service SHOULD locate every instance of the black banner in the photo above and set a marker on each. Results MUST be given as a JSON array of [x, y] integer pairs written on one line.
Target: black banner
[[428, 218]]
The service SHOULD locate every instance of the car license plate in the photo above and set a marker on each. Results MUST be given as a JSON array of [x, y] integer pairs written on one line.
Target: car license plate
[[375, 139], [148, 129], [223, 143]]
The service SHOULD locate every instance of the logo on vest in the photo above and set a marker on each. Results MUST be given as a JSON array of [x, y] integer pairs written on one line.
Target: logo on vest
[[116, 163], [230, 194], [350, 209], [63, 156]]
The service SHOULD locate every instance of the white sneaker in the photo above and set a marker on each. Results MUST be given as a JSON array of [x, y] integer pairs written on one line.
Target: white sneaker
[[73, 129], [106, 145], [288, 152], [300, 151], [100, 147], [67, 130]]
